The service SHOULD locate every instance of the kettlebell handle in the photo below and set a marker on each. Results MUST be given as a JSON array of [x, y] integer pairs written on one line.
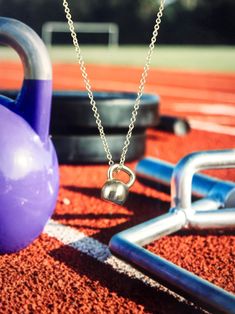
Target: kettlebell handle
[[34, 101], [116, 167]]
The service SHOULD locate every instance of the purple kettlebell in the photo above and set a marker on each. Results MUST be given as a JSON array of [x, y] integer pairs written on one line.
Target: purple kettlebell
[[29, 177]]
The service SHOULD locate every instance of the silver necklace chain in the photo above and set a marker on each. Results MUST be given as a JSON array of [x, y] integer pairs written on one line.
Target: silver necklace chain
[[89, 90]]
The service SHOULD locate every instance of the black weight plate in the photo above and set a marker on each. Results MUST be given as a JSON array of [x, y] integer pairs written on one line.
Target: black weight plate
[[72, 108], [175, 125], [89, 149], [148, 117]]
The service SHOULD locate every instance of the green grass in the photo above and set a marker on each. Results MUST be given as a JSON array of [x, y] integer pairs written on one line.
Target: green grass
[[207, 58]]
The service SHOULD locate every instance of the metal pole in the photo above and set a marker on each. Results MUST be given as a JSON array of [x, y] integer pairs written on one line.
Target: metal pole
[[159, 171], [202, 214]]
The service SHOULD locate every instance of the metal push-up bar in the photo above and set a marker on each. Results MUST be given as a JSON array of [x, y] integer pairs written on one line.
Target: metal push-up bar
[[215, 210]]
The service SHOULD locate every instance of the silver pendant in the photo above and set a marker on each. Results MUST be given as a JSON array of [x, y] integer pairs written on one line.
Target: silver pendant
[[115, 190]]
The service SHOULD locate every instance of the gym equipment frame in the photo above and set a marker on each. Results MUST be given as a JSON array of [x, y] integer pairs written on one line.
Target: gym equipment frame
[[215, 210]]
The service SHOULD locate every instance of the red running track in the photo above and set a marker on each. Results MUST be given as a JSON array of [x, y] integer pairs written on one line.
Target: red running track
[[68, 269]]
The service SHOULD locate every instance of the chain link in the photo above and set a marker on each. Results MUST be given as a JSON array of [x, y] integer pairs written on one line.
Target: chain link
[[89, 89]]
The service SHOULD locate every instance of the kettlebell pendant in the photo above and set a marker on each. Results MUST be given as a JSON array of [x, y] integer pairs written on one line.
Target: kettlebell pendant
[[115, 190]]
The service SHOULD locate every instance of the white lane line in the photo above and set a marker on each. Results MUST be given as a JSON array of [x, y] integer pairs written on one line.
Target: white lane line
[[100, 252], [212, 109], [93, 248], [212, 127]]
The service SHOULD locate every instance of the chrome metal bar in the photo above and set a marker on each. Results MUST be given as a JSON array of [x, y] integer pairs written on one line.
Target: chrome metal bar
[[176, 278], [215, 211], [212, 219], [181, 180], [155, 228], [159, 171], [206, 204]]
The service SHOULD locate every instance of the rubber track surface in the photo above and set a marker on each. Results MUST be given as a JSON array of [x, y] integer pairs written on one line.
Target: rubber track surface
[[67, 273]]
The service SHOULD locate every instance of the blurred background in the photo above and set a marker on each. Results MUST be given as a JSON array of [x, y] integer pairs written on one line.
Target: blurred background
[[194, 34], [184, 22]]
